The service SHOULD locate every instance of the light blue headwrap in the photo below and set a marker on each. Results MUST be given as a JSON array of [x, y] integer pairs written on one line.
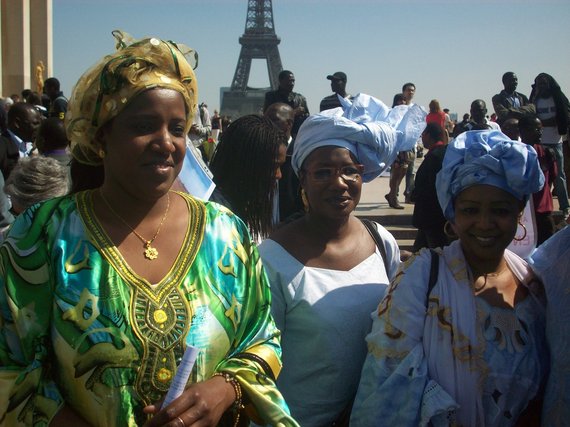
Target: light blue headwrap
[[491, 158], [371, 131]]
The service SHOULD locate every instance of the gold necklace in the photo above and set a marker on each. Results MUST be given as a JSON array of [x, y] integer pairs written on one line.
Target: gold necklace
[[150, 252], [486, 276]]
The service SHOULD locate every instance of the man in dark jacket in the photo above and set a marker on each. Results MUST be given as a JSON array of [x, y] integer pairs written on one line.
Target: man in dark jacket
[[510, 104], [285, 94], [338, 86], [23, 123], [58, 102]]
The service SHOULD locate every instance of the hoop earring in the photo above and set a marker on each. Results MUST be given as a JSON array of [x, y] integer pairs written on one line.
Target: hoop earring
[[101, 153], [446, 227], [519, 239], [305, 200]]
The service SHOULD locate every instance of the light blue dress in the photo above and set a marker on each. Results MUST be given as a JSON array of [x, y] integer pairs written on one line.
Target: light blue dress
[[551, 263], [324, 316]]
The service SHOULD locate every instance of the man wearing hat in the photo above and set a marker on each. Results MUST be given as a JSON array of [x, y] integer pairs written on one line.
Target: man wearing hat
[[338, 86]]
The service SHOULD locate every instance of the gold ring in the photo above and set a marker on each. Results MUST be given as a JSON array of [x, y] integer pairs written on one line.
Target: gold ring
[[182, 421]]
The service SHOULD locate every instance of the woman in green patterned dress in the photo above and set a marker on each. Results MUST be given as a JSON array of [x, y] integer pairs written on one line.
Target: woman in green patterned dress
[[102, 291]]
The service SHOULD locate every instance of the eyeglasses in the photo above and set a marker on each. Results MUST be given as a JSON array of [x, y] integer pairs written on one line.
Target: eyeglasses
[[347, 173]]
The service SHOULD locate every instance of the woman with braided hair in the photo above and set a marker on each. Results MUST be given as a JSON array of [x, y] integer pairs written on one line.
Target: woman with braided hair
[[246, 166]]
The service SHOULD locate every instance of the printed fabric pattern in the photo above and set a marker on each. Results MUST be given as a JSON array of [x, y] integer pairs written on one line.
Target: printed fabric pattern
[[80, 327]]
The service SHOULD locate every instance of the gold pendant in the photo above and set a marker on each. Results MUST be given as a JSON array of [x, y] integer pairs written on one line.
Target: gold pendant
[[150, 252]]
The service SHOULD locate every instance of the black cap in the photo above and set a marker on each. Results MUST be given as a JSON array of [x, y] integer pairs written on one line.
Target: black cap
[[339, 75]]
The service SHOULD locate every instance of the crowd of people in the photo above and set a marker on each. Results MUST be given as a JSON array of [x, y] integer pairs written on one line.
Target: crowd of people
[[300, 312]]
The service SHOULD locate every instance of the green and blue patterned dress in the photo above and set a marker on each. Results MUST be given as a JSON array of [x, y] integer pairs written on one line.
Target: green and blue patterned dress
[[79, 327]]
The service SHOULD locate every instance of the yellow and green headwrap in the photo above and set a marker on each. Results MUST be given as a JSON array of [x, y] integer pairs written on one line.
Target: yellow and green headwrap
[[106, 88]]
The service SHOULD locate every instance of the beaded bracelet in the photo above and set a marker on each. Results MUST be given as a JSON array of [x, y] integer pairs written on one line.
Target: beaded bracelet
[[238, 404]]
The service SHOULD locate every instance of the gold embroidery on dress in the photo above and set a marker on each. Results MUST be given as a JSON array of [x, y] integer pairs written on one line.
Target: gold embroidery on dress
[[160, 315], [162, 328]]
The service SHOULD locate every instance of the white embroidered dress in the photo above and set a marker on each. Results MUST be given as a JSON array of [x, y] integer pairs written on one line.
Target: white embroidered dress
[[454, 360]]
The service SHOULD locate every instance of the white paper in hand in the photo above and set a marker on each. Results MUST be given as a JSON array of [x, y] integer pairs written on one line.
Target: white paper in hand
[[182, 374]]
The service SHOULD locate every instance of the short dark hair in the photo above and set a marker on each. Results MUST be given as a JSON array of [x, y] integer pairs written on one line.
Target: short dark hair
[[34, 98], [26, 93], [52, 82], [51, 135], [19, 110], [244, 169], [479, 101], [284, 74], [527, 121], [435, 131], [406, 85], [281, 115], [398, 99], [506, 75]]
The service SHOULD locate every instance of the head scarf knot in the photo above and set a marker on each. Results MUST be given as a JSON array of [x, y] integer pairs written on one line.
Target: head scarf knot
[[366, 127], [108, 87], [490, 158]]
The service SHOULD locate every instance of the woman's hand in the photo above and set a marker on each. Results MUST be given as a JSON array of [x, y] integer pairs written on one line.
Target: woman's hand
[[201, 404]]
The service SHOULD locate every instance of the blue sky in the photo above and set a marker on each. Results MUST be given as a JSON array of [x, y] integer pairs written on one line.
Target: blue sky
[[454, 50]]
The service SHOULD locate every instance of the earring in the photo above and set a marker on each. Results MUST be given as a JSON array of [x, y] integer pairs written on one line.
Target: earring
[[304, 200], [101, 153], [518, 239], [446, 230]]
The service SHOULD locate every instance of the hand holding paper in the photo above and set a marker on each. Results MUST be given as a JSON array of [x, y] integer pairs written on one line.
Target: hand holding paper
[[182, 374]]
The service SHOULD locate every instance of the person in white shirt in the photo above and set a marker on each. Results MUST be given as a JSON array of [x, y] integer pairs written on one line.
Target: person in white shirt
[[328, 269]]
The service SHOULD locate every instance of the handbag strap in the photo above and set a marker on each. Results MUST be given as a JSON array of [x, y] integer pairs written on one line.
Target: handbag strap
[[434, 268], [378, 240], [433, 272]]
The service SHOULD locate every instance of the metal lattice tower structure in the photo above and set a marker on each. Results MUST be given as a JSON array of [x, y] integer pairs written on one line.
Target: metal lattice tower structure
[[259, 41]]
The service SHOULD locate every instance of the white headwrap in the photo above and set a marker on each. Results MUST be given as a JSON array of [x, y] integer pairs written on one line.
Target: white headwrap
[[366, 127]]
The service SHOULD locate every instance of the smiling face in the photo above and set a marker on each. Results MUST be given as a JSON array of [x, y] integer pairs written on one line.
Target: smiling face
[[324, 178], [145, 144], [485, 221]]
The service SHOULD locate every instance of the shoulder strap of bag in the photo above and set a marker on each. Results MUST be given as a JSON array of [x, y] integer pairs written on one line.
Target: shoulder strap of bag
[[433, 272], [378, 240]]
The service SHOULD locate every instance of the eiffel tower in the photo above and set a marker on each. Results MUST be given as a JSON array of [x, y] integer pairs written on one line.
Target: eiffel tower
[[259, 41]]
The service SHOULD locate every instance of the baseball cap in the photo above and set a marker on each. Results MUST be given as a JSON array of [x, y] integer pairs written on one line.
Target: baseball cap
[[339, 75]]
